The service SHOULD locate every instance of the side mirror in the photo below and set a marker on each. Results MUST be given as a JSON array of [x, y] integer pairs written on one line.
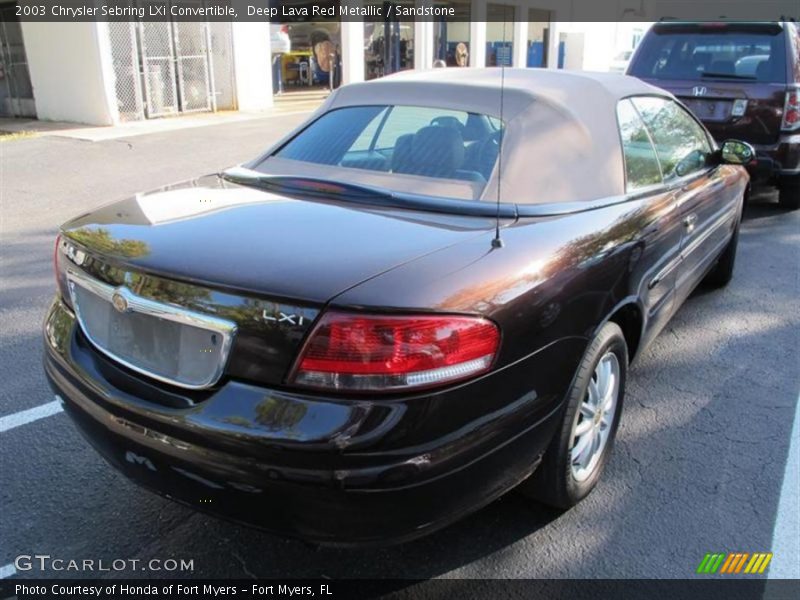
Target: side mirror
[[734, 152]]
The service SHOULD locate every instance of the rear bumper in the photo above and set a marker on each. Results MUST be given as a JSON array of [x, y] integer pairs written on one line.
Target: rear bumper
[[779, 160], [331, 471]]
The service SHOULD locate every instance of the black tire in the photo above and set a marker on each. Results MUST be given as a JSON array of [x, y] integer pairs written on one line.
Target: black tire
[[789, 194], [721, 274], [553, 482]]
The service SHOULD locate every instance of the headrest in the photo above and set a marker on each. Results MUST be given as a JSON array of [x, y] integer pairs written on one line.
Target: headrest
[[438, 150], [448, 121], [403, 152]]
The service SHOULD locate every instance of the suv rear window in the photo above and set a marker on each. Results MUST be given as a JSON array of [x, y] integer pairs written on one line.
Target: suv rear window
[[703, 52]]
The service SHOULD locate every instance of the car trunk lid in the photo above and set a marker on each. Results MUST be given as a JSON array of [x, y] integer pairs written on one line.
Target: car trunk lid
[[265, 263]]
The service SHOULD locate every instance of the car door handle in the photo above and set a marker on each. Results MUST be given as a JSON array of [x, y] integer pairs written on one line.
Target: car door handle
[[689, 222]]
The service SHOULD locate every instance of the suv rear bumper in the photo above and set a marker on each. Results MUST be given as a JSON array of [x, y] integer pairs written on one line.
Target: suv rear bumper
[[779, 160], [329, 471]]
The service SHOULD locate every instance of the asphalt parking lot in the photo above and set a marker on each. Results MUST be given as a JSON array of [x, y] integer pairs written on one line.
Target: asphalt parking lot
[[699, 465]]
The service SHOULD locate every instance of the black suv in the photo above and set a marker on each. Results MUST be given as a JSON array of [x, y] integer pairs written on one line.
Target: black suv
[[742, 80]]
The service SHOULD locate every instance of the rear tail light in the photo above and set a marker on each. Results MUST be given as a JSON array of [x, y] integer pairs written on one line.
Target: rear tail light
[[55, 258], [791, 111], [61, 282], [385, 353], [62, 254]]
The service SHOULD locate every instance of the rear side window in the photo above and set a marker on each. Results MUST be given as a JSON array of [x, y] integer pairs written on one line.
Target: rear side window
[[641, 163], [407, 140], [681, 143], [703, 52]]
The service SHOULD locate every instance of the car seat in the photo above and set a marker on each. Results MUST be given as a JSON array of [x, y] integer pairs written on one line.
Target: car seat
[[449, 121], [433, 151], [482, 155]]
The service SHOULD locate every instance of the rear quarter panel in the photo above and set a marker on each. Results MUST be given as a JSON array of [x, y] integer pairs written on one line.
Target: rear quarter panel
[[552, 284]]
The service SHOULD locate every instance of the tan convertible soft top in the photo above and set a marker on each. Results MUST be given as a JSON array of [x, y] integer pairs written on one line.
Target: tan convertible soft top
[[561, 143]]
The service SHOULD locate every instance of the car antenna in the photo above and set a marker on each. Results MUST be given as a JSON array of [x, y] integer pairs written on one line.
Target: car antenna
[[497, 242]]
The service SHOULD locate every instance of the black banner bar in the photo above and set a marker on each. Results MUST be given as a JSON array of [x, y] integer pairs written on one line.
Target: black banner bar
[[403, 10], [718, 588]]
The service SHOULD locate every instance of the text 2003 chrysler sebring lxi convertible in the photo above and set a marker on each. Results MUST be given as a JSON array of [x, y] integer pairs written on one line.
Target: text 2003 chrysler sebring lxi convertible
[[331, 342]]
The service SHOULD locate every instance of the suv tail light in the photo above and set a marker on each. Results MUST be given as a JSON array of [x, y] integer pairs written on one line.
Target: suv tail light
[[348, 351], [791, 110]]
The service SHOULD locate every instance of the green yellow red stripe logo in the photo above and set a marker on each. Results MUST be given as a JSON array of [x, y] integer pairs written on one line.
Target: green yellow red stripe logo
[[733, 563]]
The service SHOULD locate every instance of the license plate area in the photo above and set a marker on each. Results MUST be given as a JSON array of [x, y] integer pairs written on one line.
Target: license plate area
[[162, 341], [709, 109]]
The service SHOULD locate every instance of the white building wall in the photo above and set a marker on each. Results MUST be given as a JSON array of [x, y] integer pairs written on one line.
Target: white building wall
[[252, 64], [519, 57], [71, 72], [352, 51], [600, 41], [423, 40], [477, 34]]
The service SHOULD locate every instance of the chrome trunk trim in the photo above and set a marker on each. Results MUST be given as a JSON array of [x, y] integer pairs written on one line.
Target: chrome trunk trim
[[134, 303]]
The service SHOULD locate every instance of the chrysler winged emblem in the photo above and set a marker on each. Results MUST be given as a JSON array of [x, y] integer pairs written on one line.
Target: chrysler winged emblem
[[699, 90], [119, 302]]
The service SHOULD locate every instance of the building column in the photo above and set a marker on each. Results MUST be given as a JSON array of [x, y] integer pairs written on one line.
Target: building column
[[519, 57], [71, 71], [252, 65], [107, 68], [352, 33], [423, 39], [477, 34], [552, 45]]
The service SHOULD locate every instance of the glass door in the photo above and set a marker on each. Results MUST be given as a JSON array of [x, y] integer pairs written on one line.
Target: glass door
[[388, 44]]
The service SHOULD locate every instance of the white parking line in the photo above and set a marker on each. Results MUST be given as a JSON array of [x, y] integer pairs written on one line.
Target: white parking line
[[7, 571], [23, 418], [32, 414], [786, 535]]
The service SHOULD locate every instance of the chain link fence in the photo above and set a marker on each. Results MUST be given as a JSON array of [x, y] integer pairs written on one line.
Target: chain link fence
[[158, 66], [222, 65], [165, 68], [125, 57]]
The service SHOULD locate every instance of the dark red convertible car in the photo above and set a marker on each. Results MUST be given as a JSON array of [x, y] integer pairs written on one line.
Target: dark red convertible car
[[428, 294]]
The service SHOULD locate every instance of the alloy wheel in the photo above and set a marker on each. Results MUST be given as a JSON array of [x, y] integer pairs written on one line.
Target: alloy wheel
[[592, 428]]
